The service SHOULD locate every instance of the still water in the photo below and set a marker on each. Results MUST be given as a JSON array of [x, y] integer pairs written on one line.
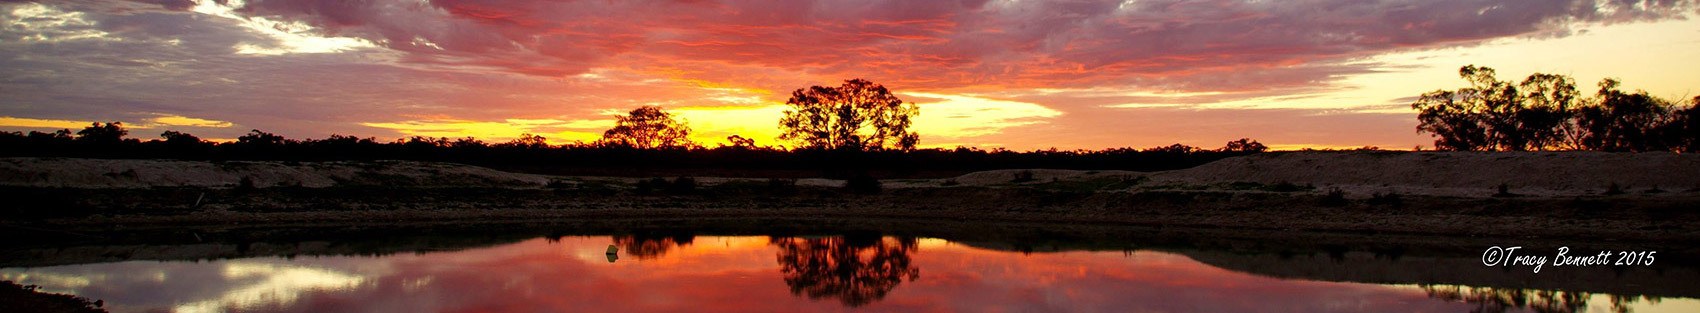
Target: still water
[[766, 274]]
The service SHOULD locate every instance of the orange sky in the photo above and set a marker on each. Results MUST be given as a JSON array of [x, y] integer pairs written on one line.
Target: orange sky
[[988, 73]]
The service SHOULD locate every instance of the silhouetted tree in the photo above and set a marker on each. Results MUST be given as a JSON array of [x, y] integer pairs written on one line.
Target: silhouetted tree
[[256, 137], [1683, 129], [1548, 114], [109, 133], [1498, 300], [173, 137], [740, 142], [1622, 121], [858, 115], [1244, 145], [647, 127], [856, 271], [57, 135], [1483, 116], [1543, 120], [527, 141], [468, 142], [1174, 148], [1456, 125]]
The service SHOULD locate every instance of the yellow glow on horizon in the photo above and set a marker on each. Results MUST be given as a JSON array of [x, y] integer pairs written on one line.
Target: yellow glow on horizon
[[8, 121], [711, 125], [163, 121], [179, 120], [495, 132], [958, 116]]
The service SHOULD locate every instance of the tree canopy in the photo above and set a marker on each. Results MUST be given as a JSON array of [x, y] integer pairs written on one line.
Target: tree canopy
[[858, 115], [648, 127], [1545, 112]]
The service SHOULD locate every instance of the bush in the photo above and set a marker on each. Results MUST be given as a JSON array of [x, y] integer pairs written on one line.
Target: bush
[[1285, 187], [949, 182], [1504, 191], [1022, 176], [682, 185], [246, 184], [651, 185], [1334, 197], [863, 184], [1614, 189], [781, 186], [1389, 198]]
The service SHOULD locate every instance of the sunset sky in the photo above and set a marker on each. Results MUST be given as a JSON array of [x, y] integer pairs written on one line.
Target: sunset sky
[[1019, 74]]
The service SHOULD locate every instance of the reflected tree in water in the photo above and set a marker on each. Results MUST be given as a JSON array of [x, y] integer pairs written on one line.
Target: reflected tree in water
[[648, 247], [1498, 300], [854, 270]]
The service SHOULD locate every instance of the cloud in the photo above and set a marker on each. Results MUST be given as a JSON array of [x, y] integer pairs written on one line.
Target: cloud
[[1184, 45], [167, 120], [1053, 72], [158, 121], [19, 122]]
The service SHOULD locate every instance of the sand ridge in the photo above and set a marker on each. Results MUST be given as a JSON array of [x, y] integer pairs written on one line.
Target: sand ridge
[[114, 173]]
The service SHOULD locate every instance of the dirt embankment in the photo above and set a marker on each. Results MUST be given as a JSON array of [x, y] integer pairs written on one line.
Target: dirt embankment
[[1361, 174], [1458, 173], [102, 173]]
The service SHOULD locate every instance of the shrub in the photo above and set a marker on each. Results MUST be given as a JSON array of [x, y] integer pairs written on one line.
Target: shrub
[[949, 182], [781, 186], [651, 185], [1614, 189], [1389, 198], [682, 185], [1285, 187], [1504, 191], [862, 184], [246, 184], [1022, 176], [1334, 197]]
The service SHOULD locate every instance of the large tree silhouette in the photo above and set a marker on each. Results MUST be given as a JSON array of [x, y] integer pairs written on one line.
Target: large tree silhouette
[[858, 115], [1622, 121], [1545, 112], [647, 127], [856, 271], [104, 134]]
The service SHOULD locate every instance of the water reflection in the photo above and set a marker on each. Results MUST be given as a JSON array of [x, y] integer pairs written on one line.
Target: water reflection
[[855, 270], [667, 273], [1500, 300], [649, 247]]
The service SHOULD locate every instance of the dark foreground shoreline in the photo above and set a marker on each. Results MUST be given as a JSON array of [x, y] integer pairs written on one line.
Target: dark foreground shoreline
[[1382, 258], [1668, 218]]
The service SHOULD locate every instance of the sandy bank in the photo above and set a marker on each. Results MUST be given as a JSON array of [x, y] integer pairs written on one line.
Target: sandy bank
[[1361, 174], [1476, 174], [103, 173]]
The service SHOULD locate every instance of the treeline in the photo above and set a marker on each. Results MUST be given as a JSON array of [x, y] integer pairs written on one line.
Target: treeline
[[533, 154], [1546, 112]]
